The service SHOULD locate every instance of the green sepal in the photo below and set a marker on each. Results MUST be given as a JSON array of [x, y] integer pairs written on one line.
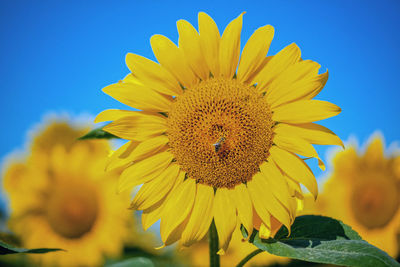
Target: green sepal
[[97, 133]]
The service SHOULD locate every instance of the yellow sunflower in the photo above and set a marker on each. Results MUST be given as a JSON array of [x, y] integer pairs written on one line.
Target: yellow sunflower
[[60, 197], [212, 143], [364, 191]]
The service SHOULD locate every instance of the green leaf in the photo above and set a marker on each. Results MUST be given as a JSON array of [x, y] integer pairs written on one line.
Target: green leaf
[[97, 133], [10, 249], [139, 261], [323, 240]]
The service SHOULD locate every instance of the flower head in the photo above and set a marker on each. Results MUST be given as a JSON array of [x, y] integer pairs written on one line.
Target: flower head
[[218, 133], [60, 197], [364, 192]]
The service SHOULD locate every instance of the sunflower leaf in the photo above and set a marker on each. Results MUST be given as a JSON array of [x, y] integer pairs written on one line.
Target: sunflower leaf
[[323, 240], [97, 133], [137, 261], [6, 248]]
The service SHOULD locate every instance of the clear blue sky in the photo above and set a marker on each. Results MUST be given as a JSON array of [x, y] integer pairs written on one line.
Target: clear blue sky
[[57, 55]]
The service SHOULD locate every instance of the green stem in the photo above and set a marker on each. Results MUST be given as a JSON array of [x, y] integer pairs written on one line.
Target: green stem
[[213, 242], [248, 257]]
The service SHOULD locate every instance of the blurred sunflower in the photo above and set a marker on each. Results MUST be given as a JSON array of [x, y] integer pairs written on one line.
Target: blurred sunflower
[[364, 192], [60, 197], [212, 143]]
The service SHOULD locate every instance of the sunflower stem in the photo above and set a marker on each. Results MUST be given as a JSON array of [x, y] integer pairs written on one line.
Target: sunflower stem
[[248, 257], [213, 242]]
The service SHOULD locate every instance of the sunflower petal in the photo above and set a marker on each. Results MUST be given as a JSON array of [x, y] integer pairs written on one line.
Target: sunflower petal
[[153, 191], [115, 114], [276, 182], [189, 41], [209, 42], [240, 196], [298, 145], [137, 128], [153, 75], [142, 171], [264, 202], [173, 59], [138, 96], [296, 83], [311, 132], [254, 52], [201, 216], [278, 63], [149, 147], [229, 50], [121, 157], [178, 207], [374, 153], [295, 167], [225, 218], [305, 111], [152, 215], [135, 151]]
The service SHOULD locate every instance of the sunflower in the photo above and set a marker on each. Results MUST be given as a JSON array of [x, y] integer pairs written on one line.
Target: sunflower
[[211, 143], [60, 197], [364, 192]]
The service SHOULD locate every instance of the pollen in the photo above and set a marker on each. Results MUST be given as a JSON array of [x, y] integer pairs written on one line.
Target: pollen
[[220, 131]]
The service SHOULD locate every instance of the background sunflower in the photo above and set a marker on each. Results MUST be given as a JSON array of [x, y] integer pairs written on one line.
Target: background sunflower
[[363, 191], [61, 197]]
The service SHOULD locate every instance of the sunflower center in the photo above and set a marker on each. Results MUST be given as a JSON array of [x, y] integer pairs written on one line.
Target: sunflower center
[[72, 209], [375, 201], [220, 131]]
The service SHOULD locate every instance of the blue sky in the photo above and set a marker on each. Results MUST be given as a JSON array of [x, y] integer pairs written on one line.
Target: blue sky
[[57, 55]]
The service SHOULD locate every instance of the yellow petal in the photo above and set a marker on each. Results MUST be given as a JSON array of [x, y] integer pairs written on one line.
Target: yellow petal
[[153, 75], [296, 83], [130, 78], [297, 145], [295, 167], [304, 111], [278, 63], [254, 52], [137, 128], [277, 184], [153, 191], [173, 59], [225, 218], [374, 153], [189, 41], [265, 231], [201, 216], [121, 157], [294, 186], [229, 49], [136, 151], [209, 42], [153, 214], [264, 202], [138, 96], [176, 234], [311, 132], [144, 170], [115, 114], [177, 208], [240, 197], [149, 147]]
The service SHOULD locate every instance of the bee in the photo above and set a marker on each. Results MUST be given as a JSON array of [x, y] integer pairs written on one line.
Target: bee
[[218, 145]]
